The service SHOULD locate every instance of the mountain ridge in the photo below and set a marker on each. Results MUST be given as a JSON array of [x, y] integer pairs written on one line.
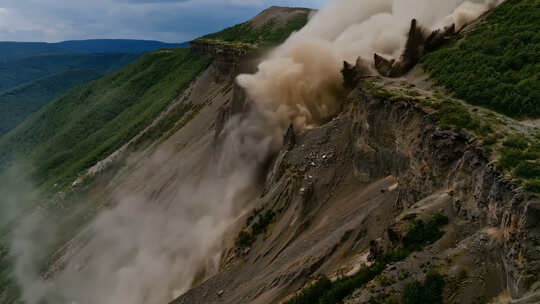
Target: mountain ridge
[[14, 49]]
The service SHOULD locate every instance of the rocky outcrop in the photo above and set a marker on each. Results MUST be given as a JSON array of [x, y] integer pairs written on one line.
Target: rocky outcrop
[[227, 56], [280, 15], [419, 42], [353, 74]]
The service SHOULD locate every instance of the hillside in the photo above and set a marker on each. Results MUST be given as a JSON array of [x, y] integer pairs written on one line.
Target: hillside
[[28, 84], [302, 180], [269, 28], [92, 121], [497, 63], [16, 104], [26, 68], [88, 124]]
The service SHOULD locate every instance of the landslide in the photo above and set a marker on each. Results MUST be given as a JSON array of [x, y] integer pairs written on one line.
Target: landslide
[[409, 195]]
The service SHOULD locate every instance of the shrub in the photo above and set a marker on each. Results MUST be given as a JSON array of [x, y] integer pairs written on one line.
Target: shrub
[[337, 291], [528, 169], [533, 186], [410, 217], [516, 142], [263, 220], [312, 293], [430, 292], [421, 234], [245, 239]]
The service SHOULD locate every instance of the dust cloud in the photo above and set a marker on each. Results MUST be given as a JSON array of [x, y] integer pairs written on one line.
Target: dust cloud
[[300, 81], [153, 244]]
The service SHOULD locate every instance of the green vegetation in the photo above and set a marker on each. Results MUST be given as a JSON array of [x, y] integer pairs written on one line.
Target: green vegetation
[[429, 292], [419, 235], [23, 71], [451, 114], [89, 123], [28, 84], [34, 74], [173, 117], [520, 156], [260, 222], [271, 33], [424, 233], [313, 293], [17, 104], [516, 148], [497, 65], [533, 185]]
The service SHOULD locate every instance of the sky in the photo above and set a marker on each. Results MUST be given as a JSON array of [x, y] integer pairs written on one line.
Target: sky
[[165, 20]]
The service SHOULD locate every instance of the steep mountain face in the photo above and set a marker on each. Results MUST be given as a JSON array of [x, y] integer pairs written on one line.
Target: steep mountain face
[[403, 195], [342, 195]]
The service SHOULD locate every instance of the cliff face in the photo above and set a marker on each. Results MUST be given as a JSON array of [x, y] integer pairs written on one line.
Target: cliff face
[[338, 194], [226, 56]]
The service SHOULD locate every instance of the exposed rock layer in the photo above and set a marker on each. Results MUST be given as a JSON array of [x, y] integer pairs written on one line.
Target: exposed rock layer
[[419, 42], [337, 188]]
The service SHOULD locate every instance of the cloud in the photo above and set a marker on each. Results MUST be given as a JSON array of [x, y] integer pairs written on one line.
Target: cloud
[[150, 1], [166, 20]]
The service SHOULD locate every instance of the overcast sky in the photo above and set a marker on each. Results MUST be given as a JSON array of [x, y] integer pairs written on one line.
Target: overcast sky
[[166, 20]]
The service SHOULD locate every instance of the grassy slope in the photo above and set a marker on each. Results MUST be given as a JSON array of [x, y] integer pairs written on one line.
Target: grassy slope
[[29, 83], [25, 70], [497, 65], [269, 34], [89, 123]]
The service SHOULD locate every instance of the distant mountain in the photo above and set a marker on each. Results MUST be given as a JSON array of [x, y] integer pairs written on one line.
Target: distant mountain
[[14, 50], [117, 45]]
